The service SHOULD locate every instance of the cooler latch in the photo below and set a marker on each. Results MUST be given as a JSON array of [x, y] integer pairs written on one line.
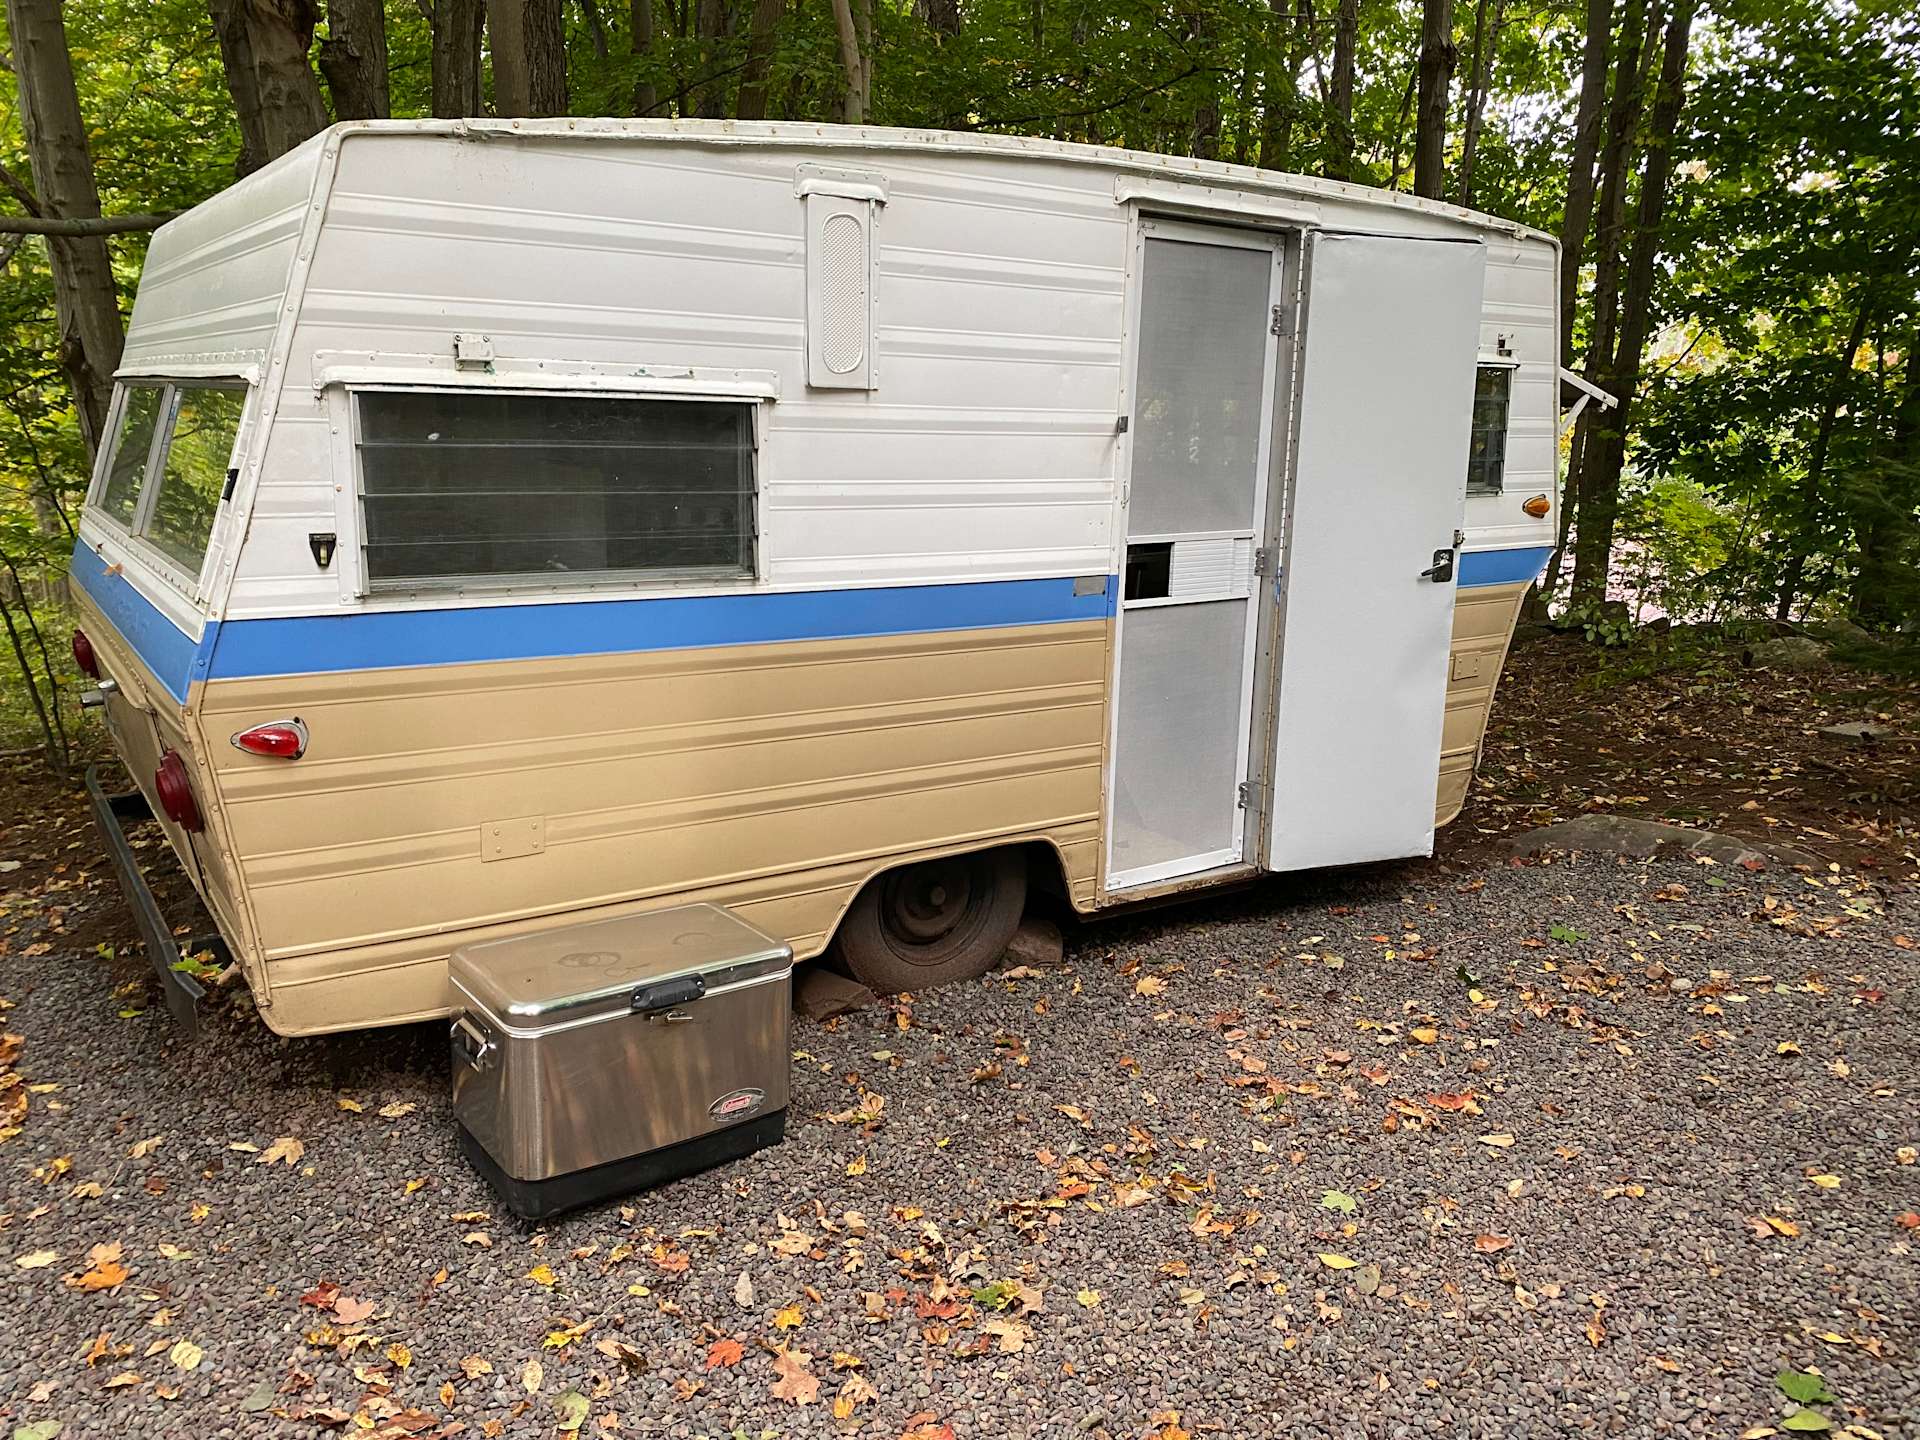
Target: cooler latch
[[665, 994]]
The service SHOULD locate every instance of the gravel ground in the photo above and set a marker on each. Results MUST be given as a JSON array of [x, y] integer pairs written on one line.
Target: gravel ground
[[1618, 1140]]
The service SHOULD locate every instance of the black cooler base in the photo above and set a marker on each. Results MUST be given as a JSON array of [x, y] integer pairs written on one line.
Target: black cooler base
[[538, 1199]]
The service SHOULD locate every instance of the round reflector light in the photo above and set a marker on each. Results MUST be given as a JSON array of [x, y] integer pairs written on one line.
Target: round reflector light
[[277, 739], [175, 789], [84, 657]]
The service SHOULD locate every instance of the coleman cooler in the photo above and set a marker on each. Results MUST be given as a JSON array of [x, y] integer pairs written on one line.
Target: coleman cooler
[[598, 1059]]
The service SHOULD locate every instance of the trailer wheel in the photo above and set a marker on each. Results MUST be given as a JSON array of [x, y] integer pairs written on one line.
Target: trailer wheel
[[934, 922]]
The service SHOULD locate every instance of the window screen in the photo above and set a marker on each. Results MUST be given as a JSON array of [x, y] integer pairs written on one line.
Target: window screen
[[1487, 455], [465, 485], [127, 466], [206, 421]]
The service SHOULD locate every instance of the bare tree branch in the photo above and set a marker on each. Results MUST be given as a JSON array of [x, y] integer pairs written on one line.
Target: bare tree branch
[[101, 225]]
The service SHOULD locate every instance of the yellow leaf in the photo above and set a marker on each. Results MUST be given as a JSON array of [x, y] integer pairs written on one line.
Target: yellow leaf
[[1337, 1262], [415, 1185], [354, 1105], [186, 1355], [531, 1376], [858, 1167], [1149, 985], [36, 1259], [1499, 1142], [789, 1318], [1088, 1297], [400, 1355], [1426, 1034], [1826, 1182], [287, 1149], [542, 1275], [1783, 1227], [145, 1147], [1786, 1047], [396, 1109]]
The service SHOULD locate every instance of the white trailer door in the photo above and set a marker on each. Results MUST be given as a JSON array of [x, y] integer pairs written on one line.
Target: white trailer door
[[1379, 491]]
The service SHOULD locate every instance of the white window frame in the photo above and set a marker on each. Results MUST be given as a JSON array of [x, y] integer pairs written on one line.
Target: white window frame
[[346, 386], [133, 534]]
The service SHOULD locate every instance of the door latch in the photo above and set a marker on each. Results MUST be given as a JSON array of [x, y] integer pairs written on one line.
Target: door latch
[[1441, 570]]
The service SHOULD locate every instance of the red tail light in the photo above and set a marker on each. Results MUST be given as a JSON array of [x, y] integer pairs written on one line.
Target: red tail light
[[175, 789], [277, 739], [84, 657]]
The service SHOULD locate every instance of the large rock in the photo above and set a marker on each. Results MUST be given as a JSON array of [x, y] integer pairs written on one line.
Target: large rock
[[1857, 730], [1790, 652], [821, 994], [1645, 839], [1037, 943]]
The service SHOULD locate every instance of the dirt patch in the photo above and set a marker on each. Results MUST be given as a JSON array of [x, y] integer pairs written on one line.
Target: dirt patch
[[1681, 732]]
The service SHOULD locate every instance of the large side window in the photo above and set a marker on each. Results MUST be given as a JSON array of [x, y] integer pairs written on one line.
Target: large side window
[[491, 486], [206, 422], [167, 469], [132, 448], [1487, 455]]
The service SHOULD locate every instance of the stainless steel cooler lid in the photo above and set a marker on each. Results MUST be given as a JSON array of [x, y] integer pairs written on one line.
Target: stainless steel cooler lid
[[579, 971]]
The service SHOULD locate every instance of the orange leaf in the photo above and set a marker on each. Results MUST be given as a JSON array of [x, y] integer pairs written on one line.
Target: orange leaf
[[1909, 1221], [1487, 1244], [724, 1354]]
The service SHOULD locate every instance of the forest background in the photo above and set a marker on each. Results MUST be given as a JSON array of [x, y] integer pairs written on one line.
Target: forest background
[[1736, 186]]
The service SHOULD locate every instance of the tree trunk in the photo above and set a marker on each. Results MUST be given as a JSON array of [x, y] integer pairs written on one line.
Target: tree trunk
[[1887, 558], [940, 16], [1281, 96], [86, 307], [1438, 56], [640, 21], [1580, 176], [1600, 479], [265, 46], [853, 108], [1396, 169], [709, 95], [1815, 478], [529, 51], [457, 28], [353, 57], [1623, 115], [762, 33], [1346, 35], [1486, 41]]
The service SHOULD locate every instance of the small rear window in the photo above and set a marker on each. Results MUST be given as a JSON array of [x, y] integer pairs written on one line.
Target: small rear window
[[132, 449], [557, 489], [167, 471]]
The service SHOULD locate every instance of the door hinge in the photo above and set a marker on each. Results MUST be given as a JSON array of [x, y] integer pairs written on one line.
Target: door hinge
[[1278, 324], [1263, 560], [1248, 795]]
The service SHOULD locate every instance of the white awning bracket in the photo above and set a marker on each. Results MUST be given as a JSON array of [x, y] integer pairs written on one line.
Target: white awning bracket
[[1588, 391]]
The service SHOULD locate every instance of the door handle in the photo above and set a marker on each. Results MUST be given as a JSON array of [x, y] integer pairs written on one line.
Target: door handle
[[1441, 570]]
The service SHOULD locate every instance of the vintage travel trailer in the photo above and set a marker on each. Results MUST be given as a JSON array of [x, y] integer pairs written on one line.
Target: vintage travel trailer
[[510, 524]]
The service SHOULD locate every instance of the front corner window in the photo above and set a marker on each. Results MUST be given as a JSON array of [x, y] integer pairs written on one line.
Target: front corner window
[[1487, 454], [495, 486], [140, 408]]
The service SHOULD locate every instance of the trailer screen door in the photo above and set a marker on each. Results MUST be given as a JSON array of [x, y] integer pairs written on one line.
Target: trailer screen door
[[1201, 422], [1367, 577]]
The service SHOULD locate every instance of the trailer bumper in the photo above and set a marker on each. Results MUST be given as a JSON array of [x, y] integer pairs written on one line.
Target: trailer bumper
[[113, 813]]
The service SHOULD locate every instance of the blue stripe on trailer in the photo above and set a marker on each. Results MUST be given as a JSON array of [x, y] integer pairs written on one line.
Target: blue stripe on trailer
[[1503, 567], [167, 650], [379, 640]]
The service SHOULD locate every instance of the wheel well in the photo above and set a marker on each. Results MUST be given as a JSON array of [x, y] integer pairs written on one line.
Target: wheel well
[[1046, 876]]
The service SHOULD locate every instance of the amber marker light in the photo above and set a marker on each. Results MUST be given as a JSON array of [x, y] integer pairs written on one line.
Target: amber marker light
[[1537, 506]]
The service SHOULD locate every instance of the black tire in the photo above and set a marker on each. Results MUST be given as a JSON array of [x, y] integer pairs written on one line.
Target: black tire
[[934, 922]]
